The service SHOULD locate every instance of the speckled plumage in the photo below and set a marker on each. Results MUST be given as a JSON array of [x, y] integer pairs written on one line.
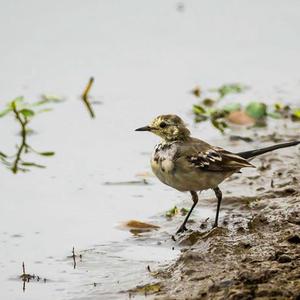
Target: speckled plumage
[[193, 165], [189, 164]]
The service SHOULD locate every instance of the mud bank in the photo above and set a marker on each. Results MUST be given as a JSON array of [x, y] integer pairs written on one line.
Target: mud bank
[[255, 253]]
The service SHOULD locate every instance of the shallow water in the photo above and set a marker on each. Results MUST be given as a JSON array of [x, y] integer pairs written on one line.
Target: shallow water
[[145, 58]]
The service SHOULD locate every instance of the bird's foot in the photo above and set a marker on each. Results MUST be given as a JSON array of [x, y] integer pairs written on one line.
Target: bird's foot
[[181, 229]]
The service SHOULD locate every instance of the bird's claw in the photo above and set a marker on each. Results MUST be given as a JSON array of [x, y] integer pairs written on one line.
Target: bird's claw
[[181, 229]]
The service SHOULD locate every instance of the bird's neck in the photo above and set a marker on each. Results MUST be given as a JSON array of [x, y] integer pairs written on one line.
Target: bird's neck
[[179, 138]]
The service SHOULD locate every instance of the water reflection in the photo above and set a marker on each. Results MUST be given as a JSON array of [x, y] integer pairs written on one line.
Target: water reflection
[[26, 278]]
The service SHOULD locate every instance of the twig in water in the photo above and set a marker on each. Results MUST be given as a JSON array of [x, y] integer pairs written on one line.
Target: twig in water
[[74, 258], [23, 268], [23, 145], [85, 97], [25, 277]]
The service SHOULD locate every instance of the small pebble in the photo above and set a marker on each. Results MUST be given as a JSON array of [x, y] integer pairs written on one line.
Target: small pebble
[[284, 259], [294, 239]]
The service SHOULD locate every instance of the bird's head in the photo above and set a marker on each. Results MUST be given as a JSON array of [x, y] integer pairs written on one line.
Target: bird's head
[[168, 127]]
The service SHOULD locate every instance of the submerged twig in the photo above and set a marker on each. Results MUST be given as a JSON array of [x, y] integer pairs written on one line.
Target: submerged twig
[[23, 144], [85, 97], [25, 277], [74, 258]]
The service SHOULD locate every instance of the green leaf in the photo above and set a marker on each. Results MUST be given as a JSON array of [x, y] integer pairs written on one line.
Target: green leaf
[[208, 102], [27, 112], [232, 107], [5, 112], [278, 106], [232, 88], [13, 103], [275, 115], [220, 125], [32, 164], [3, 155], [172, 212], [18, 99], [198, 110], [296, 114], [197, 91], [256, 110], [48, 153], [200, 118]]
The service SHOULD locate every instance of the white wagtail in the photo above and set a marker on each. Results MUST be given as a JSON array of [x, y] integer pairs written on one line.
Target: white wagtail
[[189, 164]]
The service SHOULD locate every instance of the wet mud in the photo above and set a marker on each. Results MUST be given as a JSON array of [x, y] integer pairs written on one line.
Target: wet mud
[[255, 253]]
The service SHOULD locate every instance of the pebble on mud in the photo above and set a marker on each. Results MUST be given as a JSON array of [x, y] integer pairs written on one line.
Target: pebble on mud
[[284, 259], [294, 239]]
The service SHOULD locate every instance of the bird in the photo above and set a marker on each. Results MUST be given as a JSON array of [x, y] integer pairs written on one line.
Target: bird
[[188, 164]]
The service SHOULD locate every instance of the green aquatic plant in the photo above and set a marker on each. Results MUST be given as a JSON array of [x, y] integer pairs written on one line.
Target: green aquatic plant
[[215, 116], [23, 113], [231, 88], [175, 211], [254, 113]]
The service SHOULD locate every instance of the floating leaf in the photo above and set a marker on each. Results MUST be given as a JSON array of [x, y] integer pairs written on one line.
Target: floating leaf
[[48, 153], [256, 110], [233, 88], [140, 225], [281, 107], [220, 125], [275, 115], [196, 91], [200, 118], [296, 114], [208, 102], [27, 112], [172, 212], [278, 106], [198, 110], [32, 164]]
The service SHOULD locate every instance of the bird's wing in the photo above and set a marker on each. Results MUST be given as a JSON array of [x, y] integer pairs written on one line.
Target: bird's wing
[[203, 156]]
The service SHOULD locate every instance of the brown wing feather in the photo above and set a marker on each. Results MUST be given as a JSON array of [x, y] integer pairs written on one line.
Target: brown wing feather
[[203, 156]]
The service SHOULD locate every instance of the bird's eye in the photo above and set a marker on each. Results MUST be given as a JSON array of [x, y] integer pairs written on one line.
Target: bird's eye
[[162, 125]]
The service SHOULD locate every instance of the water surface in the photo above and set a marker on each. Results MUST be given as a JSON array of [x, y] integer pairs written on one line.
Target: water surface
[[145, 57]]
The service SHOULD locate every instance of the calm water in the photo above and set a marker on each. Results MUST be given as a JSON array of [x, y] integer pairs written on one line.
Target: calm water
[[145, 57]]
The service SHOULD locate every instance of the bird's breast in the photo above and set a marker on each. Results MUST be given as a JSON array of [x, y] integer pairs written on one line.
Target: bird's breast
[[162, 162]]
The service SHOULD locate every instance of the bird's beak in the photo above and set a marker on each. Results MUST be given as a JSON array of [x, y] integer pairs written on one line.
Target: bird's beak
[[145, 128]]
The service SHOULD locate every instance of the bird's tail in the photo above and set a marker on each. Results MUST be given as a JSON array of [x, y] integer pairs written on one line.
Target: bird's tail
[[253, 153]]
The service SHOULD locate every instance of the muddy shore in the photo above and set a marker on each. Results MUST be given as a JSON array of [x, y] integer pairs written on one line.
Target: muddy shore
[[255, 253]]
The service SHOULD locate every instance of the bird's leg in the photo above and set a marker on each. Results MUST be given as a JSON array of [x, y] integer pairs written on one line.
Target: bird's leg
[[195, 200], [219, 197]]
